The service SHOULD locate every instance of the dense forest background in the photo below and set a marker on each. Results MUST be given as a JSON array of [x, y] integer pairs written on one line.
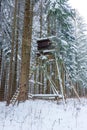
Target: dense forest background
[[22, 71]]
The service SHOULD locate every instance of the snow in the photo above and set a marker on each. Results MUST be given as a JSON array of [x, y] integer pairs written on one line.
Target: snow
[[44, 115]]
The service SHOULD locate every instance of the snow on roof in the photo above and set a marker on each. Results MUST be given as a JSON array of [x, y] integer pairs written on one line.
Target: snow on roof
[[45, 38]]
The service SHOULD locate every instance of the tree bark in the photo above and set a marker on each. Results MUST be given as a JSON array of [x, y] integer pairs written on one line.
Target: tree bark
[[12, 55], [14, 84], [26, 50]]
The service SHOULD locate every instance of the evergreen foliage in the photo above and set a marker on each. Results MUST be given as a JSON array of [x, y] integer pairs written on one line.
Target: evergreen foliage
[[53, 19]]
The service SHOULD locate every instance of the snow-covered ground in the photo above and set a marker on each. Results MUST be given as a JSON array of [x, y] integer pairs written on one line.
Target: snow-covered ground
[[44, 115]]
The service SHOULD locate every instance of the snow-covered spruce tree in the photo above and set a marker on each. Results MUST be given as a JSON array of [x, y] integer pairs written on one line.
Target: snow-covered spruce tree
[[63, 29], [81, 55], [61, 25]]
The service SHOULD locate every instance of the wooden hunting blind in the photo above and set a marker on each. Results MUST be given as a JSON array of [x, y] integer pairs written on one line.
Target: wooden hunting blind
[[43, 44]]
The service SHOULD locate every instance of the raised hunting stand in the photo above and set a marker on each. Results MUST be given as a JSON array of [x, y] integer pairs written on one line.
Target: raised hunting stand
[[47, 80]]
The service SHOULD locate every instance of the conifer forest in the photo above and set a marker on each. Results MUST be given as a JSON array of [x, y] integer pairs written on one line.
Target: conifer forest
[[43, 51], [43, 65]]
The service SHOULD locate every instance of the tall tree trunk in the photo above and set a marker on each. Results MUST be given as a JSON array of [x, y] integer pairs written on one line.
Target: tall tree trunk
[[63, 78], [48, 24], [48, 83], [26, 50], [14, 84], [12, 55]]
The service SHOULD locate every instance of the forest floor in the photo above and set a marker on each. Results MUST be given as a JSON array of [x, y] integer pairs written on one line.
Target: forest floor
[[44, 115]]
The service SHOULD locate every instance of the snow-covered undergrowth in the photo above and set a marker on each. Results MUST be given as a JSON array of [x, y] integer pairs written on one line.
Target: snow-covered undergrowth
[[44, 115]]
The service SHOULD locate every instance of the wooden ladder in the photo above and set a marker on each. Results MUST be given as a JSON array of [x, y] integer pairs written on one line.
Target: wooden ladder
[[14, 98]]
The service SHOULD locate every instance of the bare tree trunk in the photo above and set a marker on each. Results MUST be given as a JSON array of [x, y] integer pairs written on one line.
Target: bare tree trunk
[[48, 24], [63, 79], [12, 55], [48, 83], [26, 50], [14, 84]]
